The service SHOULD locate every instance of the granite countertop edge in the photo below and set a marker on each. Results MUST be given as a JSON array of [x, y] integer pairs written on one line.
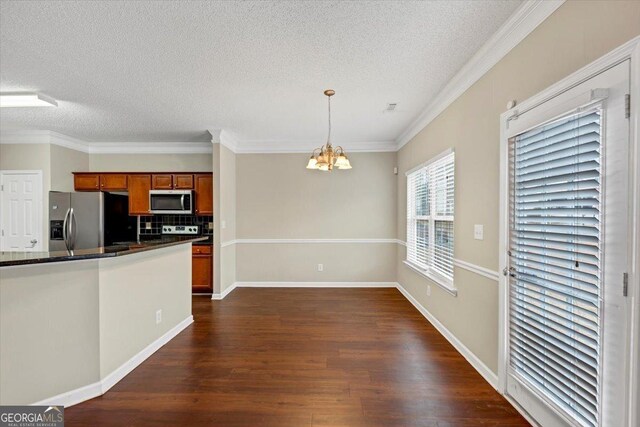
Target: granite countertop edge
[[96, 253]]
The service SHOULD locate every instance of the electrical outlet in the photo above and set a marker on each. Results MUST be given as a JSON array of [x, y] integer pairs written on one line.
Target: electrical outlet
[[478, 232], [320, 267], [210, 226], [428, 290], [147, 226], [158, 317]]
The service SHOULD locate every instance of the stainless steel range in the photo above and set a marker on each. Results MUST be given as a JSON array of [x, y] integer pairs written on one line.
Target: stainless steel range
[[181, 229]]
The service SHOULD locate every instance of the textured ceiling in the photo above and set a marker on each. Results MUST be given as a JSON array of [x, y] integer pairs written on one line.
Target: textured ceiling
[[168, 71]]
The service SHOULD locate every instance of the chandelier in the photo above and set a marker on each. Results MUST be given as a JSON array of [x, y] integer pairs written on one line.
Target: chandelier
[[326, 157]]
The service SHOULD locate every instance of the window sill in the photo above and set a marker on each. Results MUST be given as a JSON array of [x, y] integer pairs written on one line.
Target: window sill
[[444, 284]]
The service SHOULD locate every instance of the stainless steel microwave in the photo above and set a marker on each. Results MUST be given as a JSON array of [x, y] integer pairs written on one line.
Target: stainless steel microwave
[[171, 201]]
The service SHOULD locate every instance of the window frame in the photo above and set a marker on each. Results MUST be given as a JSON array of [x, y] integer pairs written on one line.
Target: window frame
[[429, 270]]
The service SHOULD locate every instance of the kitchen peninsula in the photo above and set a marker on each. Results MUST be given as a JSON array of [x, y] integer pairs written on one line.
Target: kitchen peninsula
[[72, 324]]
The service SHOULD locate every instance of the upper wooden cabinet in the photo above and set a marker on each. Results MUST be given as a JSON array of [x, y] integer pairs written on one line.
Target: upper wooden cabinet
[[113, 182], [204, 194], [139, 186], [167, 181], [100, 182], [182, 182], [162, 182], [86, 182]]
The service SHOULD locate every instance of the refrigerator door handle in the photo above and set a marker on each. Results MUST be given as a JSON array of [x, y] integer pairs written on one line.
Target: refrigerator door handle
[[65, 230], [73, 227]]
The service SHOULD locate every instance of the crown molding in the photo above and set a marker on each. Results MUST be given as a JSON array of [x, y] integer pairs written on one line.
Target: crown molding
[[55, 138], [291, 146], [519, 25]]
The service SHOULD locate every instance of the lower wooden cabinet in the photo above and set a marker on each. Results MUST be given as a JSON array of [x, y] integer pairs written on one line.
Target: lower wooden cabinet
[[202, 269]]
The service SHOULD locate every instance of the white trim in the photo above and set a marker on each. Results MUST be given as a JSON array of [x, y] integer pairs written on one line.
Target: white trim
[[478, 364], [519, 25], [303, 241], [273, 146], [225, 292], [314, 285], [629, 50], [55, 138], [449, 287], [99, 388], [489, 274]]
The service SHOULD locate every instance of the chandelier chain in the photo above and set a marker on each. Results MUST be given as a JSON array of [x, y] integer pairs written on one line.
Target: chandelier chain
[[329, 135]]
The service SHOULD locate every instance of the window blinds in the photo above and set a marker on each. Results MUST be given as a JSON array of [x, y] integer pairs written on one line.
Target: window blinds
[[430, 205], [555, 262]]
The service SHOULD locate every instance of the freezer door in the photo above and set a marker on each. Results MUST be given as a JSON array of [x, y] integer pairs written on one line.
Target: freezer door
[[87, 221], [59, 204]]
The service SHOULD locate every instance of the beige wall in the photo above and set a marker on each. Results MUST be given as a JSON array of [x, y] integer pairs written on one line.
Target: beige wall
[[49, 337], [576, 34], [132, 288], [64, 162], [277, 198], [67, 325], [150, 162], [227, 214]]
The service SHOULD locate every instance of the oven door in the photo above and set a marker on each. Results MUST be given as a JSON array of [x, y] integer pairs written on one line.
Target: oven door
[[171, 201]]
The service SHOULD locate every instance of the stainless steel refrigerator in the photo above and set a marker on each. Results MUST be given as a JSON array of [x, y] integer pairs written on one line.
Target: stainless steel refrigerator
[[89, 220]]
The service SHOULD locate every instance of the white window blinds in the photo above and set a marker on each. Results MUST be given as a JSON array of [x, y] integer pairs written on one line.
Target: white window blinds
[[430, 204], [555, 262]]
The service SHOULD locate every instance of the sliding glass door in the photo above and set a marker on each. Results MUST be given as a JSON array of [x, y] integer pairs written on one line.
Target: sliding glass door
[[568, 253]]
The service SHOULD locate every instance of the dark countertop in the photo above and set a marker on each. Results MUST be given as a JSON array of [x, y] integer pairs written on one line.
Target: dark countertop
[[8, 259]]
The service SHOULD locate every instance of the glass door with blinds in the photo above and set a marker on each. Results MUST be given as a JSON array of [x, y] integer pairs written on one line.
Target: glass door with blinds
[[567, 255]]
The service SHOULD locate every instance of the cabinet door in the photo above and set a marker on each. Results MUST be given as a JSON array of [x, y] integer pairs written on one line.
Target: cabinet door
[[204, 194], [139, 186], [161, 182], [86, 182], [202, 274], [113, 182], [183, 182]]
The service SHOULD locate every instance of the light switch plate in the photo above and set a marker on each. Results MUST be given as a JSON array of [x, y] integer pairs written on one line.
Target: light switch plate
[[223, 224], [478, 232]]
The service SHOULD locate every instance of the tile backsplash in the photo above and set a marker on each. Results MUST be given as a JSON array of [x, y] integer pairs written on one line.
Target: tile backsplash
[[157, 221]]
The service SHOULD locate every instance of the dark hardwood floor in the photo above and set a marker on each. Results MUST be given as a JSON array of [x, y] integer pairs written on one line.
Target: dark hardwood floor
[[302, 357]]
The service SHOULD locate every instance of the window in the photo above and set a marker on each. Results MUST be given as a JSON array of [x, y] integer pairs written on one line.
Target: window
[[430, 204]]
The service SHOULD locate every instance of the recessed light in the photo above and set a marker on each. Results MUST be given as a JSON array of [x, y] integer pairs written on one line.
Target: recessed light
[[24, 99]]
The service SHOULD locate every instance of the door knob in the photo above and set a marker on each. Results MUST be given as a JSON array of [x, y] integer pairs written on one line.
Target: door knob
[[33, 243]]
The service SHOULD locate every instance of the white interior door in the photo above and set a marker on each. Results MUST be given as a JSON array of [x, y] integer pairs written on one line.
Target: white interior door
[[21, 212], [569, 239]]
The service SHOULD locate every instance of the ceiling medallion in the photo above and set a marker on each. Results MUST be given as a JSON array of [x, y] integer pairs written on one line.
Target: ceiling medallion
[[326, 157]]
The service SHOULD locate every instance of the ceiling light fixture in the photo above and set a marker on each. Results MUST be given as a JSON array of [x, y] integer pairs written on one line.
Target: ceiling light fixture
[[326, 157], [23, 99]]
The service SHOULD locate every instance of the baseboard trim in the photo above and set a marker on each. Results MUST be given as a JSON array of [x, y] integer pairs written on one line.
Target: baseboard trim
[[479, 366], [314, 284], [99, 388], [224, 293]]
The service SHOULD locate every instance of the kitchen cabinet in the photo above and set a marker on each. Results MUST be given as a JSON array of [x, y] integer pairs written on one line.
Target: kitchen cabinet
[[174, 181], [139, 186], [183, 182], [113, 182], [100, 182], [86, 182], [202, 269], [162, 182], [204, 194]]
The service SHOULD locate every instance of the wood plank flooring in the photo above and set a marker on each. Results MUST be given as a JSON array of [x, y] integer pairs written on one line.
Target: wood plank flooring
[[302, 357]]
